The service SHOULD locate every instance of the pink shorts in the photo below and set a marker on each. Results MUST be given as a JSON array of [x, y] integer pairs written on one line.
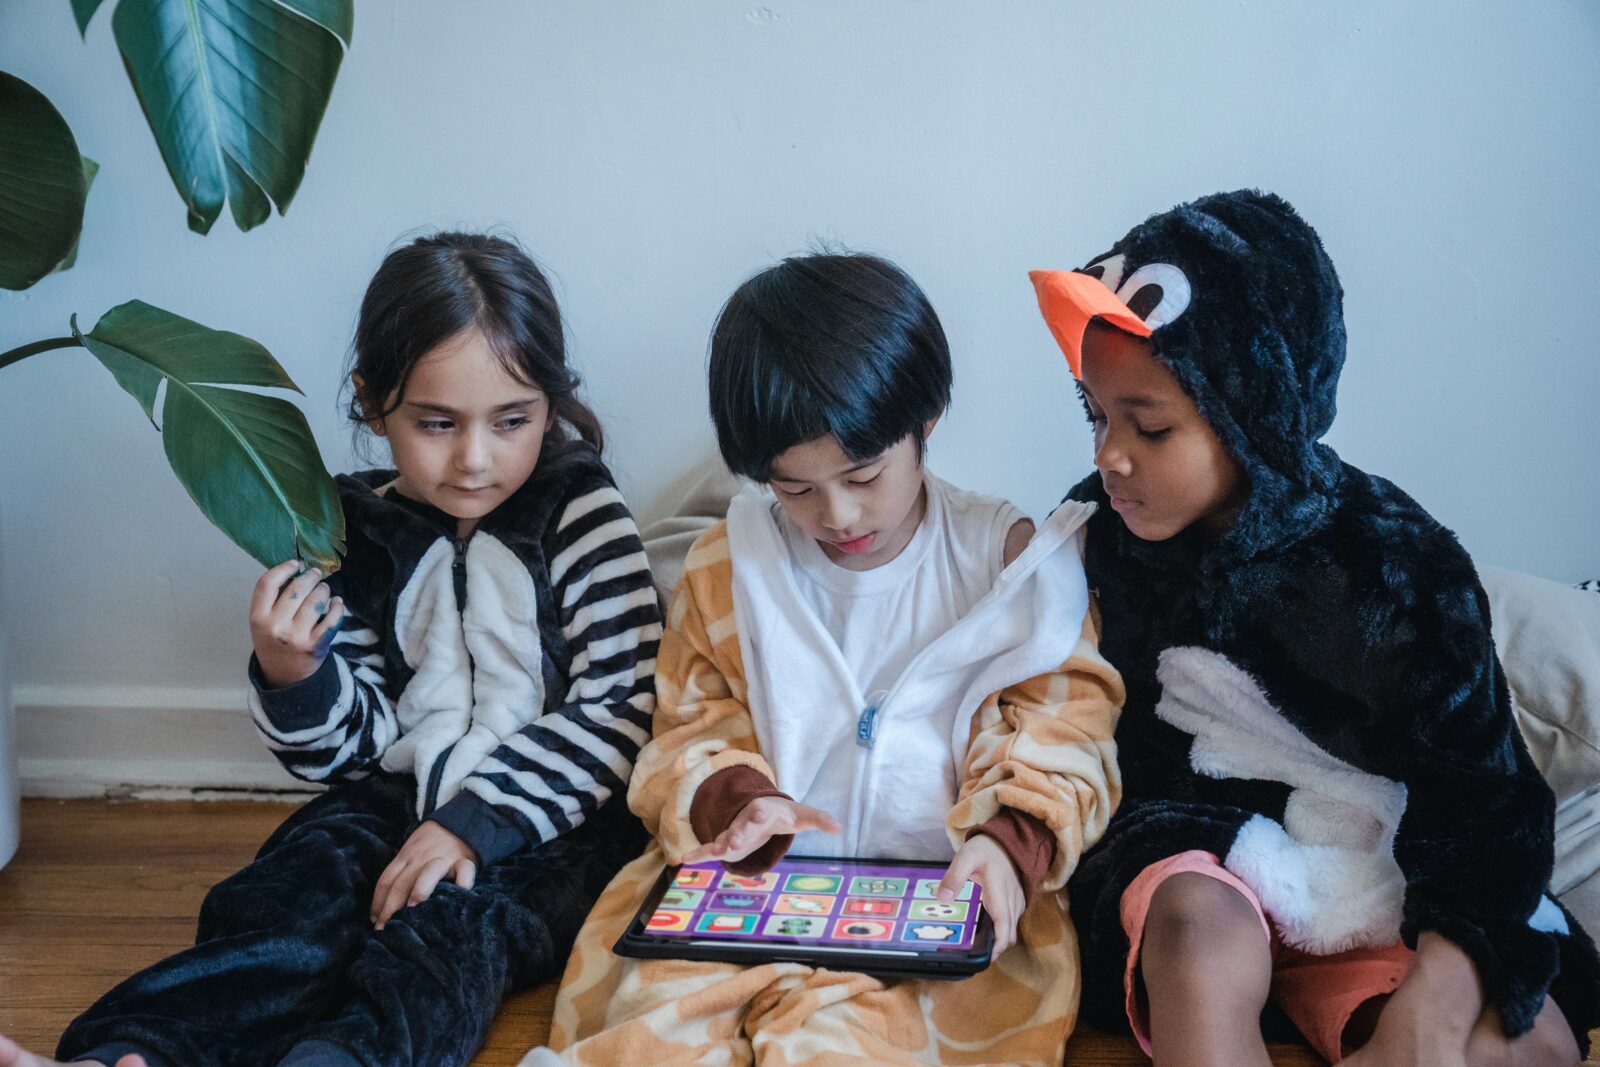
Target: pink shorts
[[1319, 994]]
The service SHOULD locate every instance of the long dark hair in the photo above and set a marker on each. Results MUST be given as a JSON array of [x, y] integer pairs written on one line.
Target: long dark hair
[[432, 289], [829, 343]]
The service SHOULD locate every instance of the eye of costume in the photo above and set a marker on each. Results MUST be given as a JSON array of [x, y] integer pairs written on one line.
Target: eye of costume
[[1156, 292], [1108, 270]]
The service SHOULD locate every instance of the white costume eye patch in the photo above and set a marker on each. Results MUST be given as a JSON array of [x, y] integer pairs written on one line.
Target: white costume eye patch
[[1157, 292], [1108, 270]]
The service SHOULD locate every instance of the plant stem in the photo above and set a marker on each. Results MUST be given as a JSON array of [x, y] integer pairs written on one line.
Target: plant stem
[[18, 354]]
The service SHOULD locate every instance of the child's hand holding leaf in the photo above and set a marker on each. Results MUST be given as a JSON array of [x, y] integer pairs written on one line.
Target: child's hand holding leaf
[[293, 619]]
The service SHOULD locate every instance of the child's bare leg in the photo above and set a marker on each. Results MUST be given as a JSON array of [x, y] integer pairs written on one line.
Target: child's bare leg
[[1548, 1044], [1207, 966], [14, 1055], [1438, 1013]]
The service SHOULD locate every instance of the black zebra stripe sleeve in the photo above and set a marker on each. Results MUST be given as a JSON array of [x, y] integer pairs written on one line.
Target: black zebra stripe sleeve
[[336, 723], [556, 771]]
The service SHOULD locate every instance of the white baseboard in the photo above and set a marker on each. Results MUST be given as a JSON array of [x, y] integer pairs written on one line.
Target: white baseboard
[[127, 741]]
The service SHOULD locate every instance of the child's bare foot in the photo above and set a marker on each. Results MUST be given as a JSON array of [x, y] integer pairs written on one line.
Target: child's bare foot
[[14, 1055]]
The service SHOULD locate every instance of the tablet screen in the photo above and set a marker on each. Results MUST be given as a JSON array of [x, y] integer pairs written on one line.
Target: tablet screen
[[858, 904]]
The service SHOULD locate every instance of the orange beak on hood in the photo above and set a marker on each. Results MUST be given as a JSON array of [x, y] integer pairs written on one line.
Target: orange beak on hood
[[1070, 300]]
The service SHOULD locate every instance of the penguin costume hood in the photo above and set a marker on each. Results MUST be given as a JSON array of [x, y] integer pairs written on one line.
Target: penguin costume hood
[[1313, 694], [1242, 305]]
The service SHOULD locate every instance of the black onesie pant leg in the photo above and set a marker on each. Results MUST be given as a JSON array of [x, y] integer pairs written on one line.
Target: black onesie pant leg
[[424, 989], [272, 943]]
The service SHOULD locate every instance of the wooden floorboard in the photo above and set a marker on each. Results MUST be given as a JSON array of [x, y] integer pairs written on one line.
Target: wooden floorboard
[[101, 888]]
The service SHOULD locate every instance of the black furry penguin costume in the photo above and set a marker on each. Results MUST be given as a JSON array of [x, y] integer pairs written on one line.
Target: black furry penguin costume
[[1313, 697]]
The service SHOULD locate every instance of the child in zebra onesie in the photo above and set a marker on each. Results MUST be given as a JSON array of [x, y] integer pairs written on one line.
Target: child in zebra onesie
[[473, 684]]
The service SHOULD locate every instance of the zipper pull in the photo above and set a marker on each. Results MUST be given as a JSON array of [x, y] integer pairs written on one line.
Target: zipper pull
[[864, 726], [869, 720]]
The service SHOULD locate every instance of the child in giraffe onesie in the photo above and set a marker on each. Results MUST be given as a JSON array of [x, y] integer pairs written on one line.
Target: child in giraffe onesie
[[862, 660]]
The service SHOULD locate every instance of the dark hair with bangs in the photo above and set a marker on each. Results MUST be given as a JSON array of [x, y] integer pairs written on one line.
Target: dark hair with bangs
[[432, 289], [828, 343]]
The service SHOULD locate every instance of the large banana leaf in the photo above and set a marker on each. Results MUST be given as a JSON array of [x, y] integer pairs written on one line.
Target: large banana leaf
[[42, 185], [249, 461], [83, 11], [90, 169], [234, 91]]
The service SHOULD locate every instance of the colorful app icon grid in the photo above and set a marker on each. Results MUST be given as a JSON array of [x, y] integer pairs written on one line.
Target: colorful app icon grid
[[829, 902]]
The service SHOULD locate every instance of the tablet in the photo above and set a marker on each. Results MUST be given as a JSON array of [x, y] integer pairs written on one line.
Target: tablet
[[872, 915]]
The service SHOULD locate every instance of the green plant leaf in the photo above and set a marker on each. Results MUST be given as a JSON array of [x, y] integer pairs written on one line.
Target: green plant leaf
[[42, 185], [90, 169], [83, 11], [249, 461], [234, 93], [335, 16]]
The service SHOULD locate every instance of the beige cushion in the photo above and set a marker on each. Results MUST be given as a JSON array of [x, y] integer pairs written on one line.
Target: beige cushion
[[1548, 638], [667, 540]]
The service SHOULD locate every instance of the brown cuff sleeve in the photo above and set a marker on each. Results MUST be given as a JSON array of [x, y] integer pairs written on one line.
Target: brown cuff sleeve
[[1029, 843], [718, 802]]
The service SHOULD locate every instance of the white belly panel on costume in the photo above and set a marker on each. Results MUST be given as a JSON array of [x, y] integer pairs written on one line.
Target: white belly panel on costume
[[1327, 876], [477, 671], [435, 708]]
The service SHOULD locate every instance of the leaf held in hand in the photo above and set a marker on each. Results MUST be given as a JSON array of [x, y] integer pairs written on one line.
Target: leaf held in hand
[[248, 460]]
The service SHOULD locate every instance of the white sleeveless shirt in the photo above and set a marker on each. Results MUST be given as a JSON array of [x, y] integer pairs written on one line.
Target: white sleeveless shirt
[[881, 618]]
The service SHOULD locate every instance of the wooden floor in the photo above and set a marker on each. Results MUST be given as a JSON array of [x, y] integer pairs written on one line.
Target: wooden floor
[[101, 888]]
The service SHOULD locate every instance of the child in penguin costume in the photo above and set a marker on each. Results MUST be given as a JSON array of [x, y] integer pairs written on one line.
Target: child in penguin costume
[[1326, 800]]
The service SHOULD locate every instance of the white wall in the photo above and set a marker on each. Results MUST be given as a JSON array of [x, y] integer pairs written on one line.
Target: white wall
[[653, 154]]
